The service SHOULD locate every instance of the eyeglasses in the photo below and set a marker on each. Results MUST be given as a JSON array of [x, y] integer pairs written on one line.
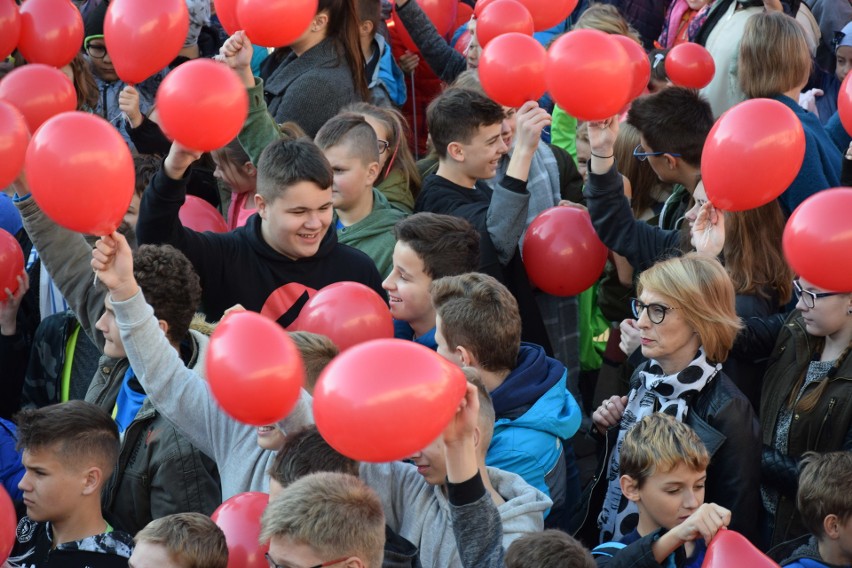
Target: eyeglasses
[[656, 312], [96, 51], [383, 146], [809, 298], [640, 154], [272, 563]]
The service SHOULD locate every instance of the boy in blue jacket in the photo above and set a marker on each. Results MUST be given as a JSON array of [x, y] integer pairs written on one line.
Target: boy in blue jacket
[[478, 325]]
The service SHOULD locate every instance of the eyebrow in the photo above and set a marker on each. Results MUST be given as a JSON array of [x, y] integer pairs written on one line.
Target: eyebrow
[[305, 208]]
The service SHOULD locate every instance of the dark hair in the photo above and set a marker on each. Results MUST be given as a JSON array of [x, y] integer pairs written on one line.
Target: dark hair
[[370, 11], [824, 482], [352, 130], [287, 162], [456, 114], [170, 285], [306, 452], [548, 549], [674, 120], [146, 165], [657, 58], [76, 430], [84, 83], [447, 245], [233, 152], [343, 27]]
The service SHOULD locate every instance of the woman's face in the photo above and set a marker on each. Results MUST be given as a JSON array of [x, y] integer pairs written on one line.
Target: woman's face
[[672, 343], [829, 315]]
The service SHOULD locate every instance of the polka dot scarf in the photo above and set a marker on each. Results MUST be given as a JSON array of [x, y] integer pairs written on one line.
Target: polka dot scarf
[[673, 393]]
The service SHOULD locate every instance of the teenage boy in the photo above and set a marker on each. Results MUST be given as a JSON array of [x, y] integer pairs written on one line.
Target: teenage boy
[[663, 470], [286, 251], [825, 505], [159, 474], [325, 519], [182, 540], [478, 325], [69, 452], [363, 218], [417, 498], [428, 246]]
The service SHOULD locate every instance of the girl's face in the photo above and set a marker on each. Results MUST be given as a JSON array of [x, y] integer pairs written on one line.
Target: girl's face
[[382, 133], [240, 179], [844, 61], [696, 4], [829, 314]]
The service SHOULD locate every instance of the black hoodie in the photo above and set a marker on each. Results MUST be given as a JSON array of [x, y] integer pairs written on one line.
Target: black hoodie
[[239, 267]]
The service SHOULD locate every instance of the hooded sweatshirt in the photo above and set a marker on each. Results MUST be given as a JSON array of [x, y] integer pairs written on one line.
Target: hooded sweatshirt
[[373, 235], [239, 267], [420, 512], [534, 414], [807, 555], [34, 548]]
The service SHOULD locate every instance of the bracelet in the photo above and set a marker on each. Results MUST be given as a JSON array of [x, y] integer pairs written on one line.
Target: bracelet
[[602, 157]]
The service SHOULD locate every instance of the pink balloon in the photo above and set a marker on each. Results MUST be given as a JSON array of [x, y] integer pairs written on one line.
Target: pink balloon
[[729, 548], [14, 138], [51, 32], [199, 215], [10, 27]]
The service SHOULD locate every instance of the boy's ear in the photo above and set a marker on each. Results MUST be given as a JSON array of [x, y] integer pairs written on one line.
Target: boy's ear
[[671, 161], [164, 325], [831, 526], [373, 173], [455, 151], [260, 205], [630, 488], [365, 28], [467, 358], [92, 480]]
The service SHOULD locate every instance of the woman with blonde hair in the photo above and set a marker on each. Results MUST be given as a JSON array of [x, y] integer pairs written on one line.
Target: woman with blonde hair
[[685, 314]]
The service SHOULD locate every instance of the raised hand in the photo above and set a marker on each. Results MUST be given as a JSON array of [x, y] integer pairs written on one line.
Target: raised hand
[[112, 261]]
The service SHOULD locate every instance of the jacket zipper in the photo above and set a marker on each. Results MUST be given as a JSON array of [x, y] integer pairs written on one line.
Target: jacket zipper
[[825, 419]]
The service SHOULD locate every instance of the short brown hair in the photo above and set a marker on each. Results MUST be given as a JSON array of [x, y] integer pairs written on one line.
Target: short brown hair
[[824, 484], [457, 114], [191, 539], [77, 431], [548, 549], [317, 351], [287, 162], [447, 245], [351, 130], [774, 57], [658, 444], [305, 452], [480, 314], [333, 513], [703, 294]]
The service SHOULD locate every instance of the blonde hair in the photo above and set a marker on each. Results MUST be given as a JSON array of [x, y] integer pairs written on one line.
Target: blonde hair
[[658, 444], [335, 514], [703, 293], [192, 540], [606, 18], [317, 351], [774, 56]]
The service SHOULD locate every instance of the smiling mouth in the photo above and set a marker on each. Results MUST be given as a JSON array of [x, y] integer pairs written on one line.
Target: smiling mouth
[[394, 299]]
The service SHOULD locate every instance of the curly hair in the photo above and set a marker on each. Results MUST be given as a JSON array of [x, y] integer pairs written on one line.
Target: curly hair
[[170, 285]]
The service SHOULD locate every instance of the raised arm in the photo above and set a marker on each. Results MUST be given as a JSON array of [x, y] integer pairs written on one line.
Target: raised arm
[[445, 62]]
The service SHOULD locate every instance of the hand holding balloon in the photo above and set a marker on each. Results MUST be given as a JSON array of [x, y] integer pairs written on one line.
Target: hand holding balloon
[[408, 62], [237, 52], [112, 261], [10, 303], [179, 160], [128, 102], [708, 231], [703, 523]]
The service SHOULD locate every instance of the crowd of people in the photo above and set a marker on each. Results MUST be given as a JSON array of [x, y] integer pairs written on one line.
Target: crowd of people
[[725, 377]]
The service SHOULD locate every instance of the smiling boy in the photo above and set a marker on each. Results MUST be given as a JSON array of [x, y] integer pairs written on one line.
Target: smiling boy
[[281, 255]]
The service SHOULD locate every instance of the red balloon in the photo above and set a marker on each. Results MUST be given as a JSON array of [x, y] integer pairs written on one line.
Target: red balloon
[[480, 6], [199, 215], [463, 42], [766, 135], [202, 105], [11, 266], [463, 14], [14, 137], [729, 548], [8, 524], [144, 37], [690, 65], [239, 518], [80, 172], [226, 10], [562, 253], [51, 32], [38, 92], [511, 69], [818, 238], [254, 369], [348, 313], [275, 23], [10, 27], [500, 17], [548, 13], [442, 13], [386, 399], [844, 104], [585, 74], [639, 61]]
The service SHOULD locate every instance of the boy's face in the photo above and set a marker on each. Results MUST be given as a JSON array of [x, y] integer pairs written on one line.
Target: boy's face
[[270, 437], [113, 347], [102, 66], [657, 163], [483, 152], [132, 215], [295, 222], [431, 463], [584, 154], [353, 179], [51, 487], [844, 61], [151, 555], [667, 499], [408, 288]]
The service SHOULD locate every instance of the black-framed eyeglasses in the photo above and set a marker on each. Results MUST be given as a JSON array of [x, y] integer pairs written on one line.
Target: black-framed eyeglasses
[[656, 312], [383, 146], [640, 154], [272, 563], [809, 298], [96, 51]]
